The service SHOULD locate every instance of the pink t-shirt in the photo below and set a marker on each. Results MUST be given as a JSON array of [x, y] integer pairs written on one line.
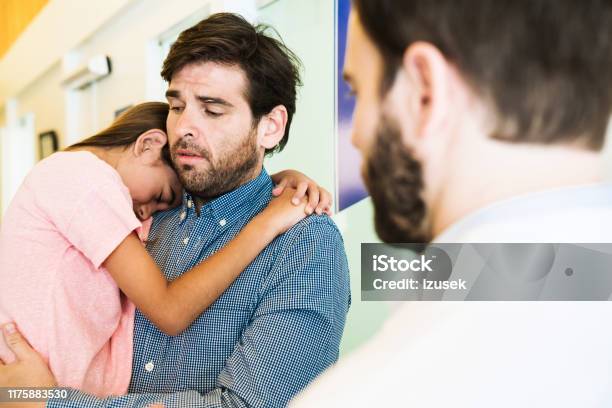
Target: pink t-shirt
[[67, 217]]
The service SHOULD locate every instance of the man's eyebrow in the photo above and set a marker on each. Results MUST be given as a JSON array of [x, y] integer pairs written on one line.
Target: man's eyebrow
[[215, 101], [172, 93]]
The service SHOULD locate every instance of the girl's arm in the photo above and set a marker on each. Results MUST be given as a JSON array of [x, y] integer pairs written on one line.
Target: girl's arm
[[319, 199], [173, 306]]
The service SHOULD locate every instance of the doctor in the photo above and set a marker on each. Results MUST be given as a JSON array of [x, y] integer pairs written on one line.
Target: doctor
[[482, 121]]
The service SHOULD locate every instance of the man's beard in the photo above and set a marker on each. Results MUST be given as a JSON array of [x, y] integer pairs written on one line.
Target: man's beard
[[226, 174], [395, 181]]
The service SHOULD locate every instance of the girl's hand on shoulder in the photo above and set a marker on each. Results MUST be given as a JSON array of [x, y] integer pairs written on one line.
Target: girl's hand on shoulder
[[282, 213], [319, 199]]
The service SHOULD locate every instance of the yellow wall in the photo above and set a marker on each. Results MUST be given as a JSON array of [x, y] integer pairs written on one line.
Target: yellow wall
[[15, 15]]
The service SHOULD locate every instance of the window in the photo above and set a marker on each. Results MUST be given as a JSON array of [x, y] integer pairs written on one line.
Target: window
[[158, 50]]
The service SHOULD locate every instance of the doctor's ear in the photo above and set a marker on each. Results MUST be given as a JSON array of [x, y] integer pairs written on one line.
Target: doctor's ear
[[149, 144], [426, 79], [271, 127]]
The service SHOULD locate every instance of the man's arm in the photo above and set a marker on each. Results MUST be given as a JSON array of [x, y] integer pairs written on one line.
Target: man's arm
[[293, 336], [27, 368], [295, 332]]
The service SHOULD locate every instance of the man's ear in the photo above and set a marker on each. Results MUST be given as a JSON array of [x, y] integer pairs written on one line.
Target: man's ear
[[271, 127], [148, 146], [424, 77]]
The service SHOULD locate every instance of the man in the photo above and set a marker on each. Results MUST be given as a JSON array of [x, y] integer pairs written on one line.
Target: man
[[482, 121], [232, 92]]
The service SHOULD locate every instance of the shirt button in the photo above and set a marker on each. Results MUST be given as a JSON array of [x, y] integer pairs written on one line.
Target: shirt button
[[189, 203], [222, 222], [149, 366], [183, 215], [185, 241]]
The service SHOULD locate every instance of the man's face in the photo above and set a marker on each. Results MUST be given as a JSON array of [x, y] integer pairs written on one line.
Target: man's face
[[392, 174], [210, 129]]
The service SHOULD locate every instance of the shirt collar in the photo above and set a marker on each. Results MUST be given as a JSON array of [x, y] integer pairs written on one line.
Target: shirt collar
[[236, 204], [515, 209]]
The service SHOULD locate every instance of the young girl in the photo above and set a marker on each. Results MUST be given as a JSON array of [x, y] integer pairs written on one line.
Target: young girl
[[69, 253]]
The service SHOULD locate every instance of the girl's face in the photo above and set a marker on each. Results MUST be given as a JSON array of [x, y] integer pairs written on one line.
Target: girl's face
[[153, 184], [154, 187]]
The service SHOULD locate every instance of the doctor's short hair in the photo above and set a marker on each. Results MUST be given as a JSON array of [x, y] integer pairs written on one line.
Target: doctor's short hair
[[271, 69], [544, 66]]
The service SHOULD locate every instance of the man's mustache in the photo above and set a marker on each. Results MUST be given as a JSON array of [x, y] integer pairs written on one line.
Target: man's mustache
[[185, 145]]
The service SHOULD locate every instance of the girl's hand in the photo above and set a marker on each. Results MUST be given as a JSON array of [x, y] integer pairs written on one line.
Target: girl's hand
[[282, 214], [319, 199]]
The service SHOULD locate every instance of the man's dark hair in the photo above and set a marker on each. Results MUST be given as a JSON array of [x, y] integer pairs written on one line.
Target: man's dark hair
[[545, 65], [272, 70]]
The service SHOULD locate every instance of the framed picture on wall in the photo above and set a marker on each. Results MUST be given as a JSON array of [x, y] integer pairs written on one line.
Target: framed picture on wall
[[47, 143], [349, 184]]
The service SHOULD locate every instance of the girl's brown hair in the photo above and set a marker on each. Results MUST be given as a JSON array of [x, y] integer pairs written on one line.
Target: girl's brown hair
[[126, 129]]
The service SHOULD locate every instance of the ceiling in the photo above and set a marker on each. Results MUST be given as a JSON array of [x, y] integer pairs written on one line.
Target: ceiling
[[15, 15]]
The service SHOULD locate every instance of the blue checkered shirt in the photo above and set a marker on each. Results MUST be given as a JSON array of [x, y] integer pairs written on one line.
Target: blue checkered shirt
[[271, 333]]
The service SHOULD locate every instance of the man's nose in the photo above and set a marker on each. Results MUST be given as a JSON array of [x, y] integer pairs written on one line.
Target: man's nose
[[185, 126], [354, 138]]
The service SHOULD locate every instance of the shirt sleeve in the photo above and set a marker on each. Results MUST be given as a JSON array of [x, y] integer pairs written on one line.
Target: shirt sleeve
[[100, 220], [294, 334]]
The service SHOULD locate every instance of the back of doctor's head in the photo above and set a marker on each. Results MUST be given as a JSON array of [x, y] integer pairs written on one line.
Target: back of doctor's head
[[544, 65]]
